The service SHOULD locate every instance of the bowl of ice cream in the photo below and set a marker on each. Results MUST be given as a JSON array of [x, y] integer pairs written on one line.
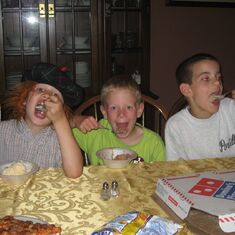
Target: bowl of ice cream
[[116, 157], [17, 172]]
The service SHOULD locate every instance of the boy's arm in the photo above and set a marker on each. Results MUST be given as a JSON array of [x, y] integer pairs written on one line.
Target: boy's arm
[[72, 159], [174, 149], [84, 123]]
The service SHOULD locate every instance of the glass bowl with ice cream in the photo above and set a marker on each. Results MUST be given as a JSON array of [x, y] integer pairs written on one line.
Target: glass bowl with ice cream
[[17, 172], [116, 157]]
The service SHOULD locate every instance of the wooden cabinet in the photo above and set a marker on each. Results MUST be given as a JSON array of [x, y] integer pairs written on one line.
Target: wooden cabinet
[[94, 39], [127, 40]]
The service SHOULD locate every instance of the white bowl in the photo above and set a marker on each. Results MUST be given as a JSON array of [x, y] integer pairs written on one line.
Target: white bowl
[[79, 40], [31, 168], [116, 157], [81, 67]]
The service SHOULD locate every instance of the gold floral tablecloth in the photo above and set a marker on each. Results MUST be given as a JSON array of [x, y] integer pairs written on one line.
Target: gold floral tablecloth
[[76, 205]]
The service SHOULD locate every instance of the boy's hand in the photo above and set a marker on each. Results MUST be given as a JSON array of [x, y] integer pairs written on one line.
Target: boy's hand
[[85, 123], [55, 109]]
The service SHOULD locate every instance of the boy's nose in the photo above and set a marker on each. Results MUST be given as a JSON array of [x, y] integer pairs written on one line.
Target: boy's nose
[[122, 112], [218, 82]]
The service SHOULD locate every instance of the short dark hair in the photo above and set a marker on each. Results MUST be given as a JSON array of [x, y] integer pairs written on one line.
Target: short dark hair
[[184, 70]]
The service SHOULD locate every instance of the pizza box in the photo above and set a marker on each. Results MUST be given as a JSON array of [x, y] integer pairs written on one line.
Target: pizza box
[[211, 192]]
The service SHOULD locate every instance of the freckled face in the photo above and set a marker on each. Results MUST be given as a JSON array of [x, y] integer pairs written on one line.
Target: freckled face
[[206, 82], [122, 111], [35, 99]]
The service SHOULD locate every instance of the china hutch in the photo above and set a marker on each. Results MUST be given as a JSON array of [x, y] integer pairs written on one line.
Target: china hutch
[[92, 39]]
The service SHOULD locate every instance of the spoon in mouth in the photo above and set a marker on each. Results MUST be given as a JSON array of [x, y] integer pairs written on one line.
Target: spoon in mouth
[[220, 97], [40, 107]]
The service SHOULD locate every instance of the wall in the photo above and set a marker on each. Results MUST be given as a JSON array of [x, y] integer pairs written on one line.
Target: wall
[[179, 32]]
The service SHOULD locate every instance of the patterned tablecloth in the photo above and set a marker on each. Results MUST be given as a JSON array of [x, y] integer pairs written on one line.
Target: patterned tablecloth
[[76, 205]]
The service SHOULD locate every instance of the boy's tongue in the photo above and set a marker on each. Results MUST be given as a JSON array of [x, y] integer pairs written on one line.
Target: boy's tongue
[[122, 127]]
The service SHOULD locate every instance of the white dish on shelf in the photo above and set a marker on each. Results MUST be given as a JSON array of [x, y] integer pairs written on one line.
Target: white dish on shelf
[[27, 41], [83, 76], [85, 2], [78, 46], [81, 67], [84, 80], [13, 48], [77, 39]]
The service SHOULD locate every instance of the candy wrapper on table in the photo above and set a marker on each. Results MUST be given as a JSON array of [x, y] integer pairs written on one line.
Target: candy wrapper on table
[[139, 223]]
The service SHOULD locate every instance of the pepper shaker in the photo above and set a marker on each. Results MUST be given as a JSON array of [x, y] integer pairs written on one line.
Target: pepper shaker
[[105, 193], [114, 189]]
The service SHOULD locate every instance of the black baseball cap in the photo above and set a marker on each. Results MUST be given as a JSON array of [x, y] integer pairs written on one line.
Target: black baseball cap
[[52, 75]]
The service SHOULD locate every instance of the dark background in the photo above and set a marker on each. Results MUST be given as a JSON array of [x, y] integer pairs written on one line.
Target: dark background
[[178, 32]]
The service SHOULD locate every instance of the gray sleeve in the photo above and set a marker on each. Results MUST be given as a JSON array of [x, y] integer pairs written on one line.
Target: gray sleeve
[[174, 147]]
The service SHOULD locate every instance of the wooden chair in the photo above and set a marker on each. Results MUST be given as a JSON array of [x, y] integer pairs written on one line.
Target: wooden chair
[[154, 116], [177, 106]]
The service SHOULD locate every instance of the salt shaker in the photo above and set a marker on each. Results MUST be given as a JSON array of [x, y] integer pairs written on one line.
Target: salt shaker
[[114, 189], [105, 193]]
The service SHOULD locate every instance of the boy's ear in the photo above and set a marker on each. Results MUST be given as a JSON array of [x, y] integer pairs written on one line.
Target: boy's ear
[[140, 109], [103, 111], [185, 89]]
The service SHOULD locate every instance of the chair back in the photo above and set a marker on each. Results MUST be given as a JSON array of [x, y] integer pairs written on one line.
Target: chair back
[[179, 104], [154, 116]]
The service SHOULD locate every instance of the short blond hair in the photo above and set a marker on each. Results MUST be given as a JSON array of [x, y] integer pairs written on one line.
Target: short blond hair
[[120, 82]]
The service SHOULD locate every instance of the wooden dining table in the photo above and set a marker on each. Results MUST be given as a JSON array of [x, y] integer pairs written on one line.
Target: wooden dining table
[[76, 204]]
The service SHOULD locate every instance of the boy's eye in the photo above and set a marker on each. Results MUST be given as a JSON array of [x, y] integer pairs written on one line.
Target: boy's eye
[[112, 108], [130, 107], [54, 94], [40, 90], [205, 78]]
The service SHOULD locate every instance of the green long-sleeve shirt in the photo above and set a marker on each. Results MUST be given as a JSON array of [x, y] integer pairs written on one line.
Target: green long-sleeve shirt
[[150, 148]]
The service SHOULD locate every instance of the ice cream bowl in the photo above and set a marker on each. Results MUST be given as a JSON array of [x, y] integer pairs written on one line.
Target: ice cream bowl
[[17, 172], [116, 157]]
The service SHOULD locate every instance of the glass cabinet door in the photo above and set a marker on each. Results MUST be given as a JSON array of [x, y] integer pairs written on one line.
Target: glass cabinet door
[[61, 32], [20, 39], [129, 39], [71, 38]]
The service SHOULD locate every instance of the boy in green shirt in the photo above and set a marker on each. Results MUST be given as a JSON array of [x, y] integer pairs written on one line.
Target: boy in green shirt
[[121, 105]]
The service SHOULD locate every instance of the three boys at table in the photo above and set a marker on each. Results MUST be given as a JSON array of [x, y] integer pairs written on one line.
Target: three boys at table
[[206, 128]]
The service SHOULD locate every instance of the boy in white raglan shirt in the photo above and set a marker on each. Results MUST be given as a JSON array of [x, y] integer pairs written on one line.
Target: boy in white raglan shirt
[[206, 127]]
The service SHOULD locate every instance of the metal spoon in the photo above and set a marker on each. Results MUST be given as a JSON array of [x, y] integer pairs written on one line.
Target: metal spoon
[[220, 97], [40, 107], [106, 128]]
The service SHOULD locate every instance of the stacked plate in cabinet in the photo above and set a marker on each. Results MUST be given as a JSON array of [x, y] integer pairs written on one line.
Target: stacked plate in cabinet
[[83, 75], [13, 79], [80, 42]]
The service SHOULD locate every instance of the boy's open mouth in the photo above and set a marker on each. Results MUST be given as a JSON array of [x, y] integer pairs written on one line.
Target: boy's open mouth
[[40, 110], [122, 128]]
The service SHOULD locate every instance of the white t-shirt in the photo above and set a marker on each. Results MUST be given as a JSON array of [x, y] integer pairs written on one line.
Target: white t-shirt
[[188, 137]]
